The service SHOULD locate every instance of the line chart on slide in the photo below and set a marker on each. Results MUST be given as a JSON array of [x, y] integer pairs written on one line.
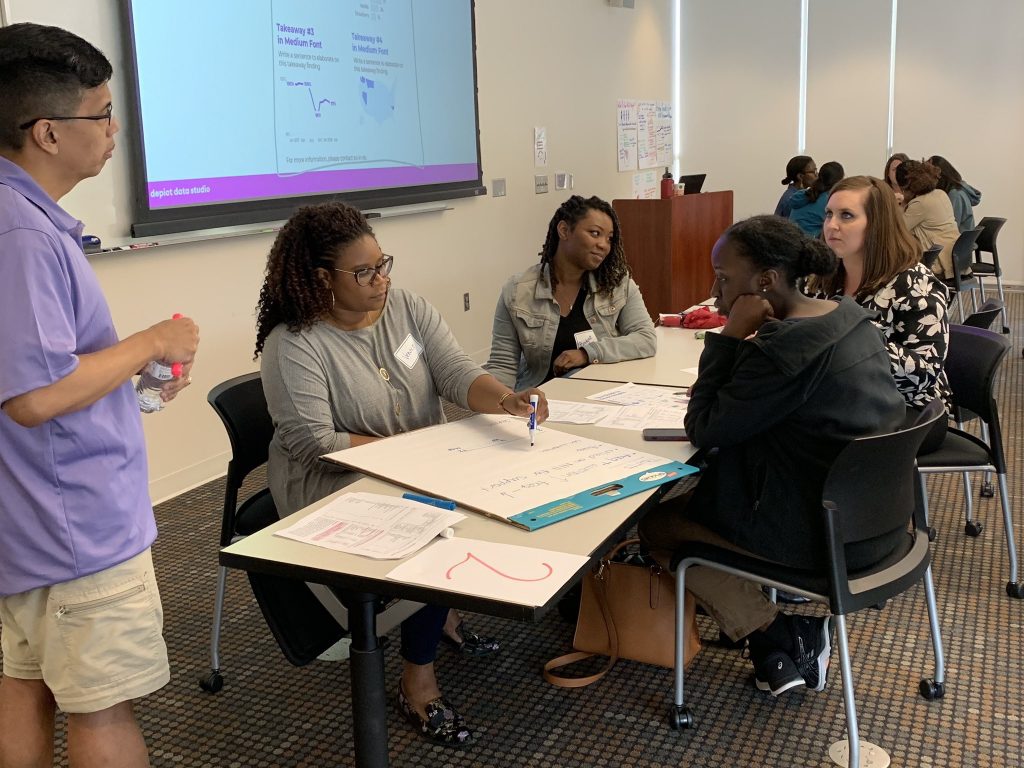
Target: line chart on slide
[[345, 78]]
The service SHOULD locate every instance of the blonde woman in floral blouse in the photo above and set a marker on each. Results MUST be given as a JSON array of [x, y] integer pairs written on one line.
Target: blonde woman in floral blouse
[[880, 266]]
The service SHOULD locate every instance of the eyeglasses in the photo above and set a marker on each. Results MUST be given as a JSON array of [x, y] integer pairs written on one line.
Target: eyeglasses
[[107, 115], [365, 275]]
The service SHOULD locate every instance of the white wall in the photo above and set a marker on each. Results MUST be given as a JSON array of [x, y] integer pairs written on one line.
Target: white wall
[[561, 65], [959, 92]]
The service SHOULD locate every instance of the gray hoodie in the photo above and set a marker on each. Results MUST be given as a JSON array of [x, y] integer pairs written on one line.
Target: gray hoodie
[[964, 198]]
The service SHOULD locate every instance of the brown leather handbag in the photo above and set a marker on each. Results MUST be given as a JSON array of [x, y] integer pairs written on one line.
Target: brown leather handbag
[[626, 611]]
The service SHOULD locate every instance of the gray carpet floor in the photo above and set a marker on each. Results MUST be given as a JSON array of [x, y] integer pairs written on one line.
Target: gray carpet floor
[[272, 714]]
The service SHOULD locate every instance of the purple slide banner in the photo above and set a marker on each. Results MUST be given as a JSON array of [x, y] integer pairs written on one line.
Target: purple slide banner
[[229, 189]]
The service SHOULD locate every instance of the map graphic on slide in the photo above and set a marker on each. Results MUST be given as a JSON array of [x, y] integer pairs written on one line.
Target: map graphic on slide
[[366, 56], [378, 100]]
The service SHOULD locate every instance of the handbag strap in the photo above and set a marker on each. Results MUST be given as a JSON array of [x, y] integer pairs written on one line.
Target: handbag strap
[[613, 639]]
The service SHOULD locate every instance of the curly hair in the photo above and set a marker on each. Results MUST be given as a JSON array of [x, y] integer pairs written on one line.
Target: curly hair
[[917, 178], [613, 269], [889, 248], [43, 71], [292, 293], [771, 242]]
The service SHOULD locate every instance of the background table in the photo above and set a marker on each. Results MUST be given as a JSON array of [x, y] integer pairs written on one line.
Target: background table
[[677, 349]]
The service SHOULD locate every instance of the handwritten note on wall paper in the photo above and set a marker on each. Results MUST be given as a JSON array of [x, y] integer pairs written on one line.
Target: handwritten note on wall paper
[[486, 463], [626, 134]]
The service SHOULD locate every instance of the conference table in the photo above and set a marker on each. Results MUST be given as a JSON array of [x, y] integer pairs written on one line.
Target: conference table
[[361, 582], [674, 364]]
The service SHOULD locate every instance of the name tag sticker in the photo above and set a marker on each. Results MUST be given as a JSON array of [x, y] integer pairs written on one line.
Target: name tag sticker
[[585, 337], [408, 353]]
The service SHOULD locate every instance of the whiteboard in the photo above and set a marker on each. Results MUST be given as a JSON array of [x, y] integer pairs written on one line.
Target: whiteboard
[[486, 463]]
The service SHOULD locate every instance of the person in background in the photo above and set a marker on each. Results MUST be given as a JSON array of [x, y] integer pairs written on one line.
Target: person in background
[[79, 605], [780, 392], [928, 212], [889, 175], [346, 360], [880, 268], [807, 206], [962, 195], [800, 173], [577, 307]]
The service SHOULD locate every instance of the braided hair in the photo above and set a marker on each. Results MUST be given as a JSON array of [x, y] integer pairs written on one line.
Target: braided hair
[[613, 269], [292, 293]]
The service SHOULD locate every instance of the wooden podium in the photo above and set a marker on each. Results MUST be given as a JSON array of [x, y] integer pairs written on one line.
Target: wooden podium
[[668, 246]]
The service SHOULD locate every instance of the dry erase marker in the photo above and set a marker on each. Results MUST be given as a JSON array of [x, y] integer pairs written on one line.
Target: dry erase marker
[[442, 503], [534, 402]]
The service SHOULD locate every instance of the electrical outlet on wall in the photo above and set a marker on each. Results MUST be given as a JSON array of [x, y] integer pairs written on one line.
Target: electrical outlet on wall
[[465, 302]]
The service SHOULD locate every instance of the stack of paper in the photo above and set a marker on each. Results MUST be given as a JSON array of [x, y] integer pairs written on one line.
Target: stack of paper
[[628, 406], [369, 524]]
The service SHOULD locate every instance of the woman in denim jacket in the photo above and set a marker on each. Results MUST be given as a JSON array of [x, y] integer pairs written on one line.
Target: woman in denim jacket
[[577, 307]]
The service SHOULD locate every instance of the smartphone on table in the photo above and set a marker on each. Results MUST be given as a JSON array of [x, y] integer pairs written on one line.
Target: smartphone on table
[[663, 433]]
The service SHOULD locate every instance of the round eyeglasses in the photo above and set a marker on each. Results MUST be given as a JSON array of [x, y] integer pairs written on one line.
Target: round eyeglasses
[[108, 113], [366, 275]]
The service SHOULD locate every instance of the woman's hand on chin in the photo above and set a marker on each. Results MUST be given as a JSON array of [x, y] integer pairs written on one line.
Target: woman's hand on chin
[[746, 315]]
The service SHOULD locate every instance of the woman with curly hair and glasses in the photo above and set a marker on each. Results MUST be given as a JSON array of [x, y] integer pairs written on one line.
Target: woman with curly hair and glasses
[[347, 360], [577, 307]]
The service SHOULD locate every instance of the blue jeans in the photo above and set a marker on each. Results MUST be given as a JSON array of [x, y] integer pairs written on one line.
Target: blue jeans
[[421, 633]]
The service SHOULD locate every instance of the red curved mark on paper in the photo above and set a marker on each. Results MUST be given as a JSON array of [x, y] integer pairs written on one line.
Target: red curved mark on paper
[[471, 556]]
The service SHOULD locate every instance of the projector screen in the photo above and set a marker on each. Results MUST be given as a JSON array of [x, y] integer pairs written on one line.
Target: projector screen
[[247, 109]]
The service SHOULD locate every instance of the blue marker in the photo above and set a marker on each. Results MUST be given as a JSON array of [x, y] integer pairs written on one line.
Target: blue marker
[[442, 503], [534, 402]]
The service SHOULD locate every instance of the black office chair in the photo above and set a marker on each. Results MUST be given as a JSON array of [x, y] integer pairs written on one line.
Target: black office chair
[[931, 255], [986, 243], [972, 364], [871, 489], [963, 251], [983, 318], [242, 408], [986, 314]]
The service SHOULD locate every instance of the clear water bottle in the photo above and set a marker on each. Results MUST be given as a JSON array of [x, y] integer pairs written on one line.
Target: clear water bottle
[[153, 377]]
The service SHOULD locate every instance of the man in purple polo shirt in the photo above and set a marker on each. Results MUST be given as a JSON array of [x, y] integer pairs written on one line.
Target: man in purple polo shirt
[[79, 608]]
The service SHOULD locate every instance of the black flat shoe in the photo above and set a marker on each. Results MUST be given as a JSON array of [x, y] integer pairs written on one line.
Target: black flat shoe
[[443, 725], [472, 644]]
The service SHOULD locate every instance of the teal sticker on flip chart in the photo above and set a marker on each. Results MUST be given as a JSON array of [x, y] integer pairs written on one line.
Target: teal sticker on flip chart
[[598, 496]]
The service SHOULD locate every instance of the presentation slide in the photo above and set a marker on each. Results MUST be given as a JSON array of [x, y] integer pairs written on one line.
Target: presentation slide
[[260, 99]]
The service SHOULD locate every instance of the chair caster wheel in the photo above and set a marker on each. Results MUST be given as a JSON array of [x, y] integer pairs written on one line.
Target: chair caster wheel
[[931, 690], [213, 683], [933, 534], [987, 491], [681, 718], [973, 528], [1015, 589]]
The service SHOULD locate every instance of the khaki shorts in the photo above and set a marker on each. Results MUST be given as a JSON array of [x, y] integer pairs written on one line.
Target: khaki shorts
[[95, 641]]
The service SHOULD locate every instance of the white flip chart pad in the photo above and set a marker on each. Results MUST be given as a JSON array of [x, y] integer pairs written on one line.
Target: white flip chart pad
[[486, 463]]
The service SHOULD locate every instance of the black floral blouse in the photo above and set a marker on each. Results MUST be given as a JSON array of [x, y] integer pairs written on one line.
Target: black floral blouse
[[911, 313]]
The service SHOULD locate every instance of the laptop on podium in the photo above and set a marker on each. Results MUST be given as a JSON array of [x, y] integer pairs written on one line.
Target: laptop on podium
[[693, 182]]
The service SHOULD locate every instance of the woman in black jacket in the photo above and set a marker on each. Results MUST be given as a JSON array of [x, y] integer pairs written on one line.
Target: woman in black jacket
[[785, 386]]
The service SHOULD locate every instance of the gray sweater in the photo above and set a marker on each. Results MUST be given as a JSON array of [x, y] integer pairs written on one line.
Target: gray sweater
[[323, 384]]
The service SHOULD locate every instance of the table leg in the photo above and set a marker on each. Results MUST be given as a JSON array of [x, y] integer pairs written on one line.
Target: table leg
[[369, 701]]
